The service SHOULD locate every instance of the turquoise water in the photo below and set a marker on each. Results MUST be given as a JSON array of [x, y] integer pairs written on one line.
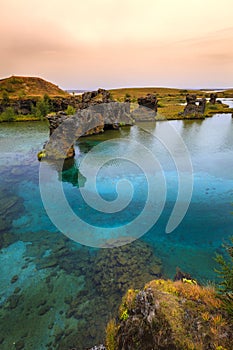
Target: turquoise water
[[62, 293]]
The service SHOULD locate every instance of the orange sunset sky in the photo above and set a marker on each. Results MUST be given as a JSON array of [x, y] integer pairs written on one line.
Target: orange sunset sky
[[115, 43]]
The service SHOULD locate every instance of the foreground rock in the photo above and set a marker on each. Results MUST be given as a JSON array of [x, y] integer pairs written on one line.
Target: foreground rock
[[170, 315]]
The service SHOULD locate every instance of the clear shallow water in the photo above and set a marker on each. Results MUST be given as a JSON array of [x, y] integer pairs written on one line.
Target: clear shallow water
[[49, 267]]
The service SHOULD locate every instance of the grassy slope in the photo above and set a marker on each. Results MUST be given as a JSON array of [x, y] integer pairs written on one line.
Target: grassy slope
[[26, 87]]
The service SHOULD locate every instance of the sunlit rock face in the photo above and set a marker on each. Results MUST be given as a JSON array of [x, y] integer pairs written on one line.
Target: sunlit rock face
[[95, 112]]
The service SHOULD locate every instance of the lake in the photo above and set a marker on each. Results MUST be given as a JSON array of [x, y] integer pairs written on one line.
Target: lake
[[57, 293]]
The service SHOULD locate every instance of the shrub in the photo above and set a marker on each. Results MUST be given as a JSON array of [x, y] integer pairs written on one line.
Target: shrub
[[213, 107], [160, 105], [43, 107], [70, 110], [21, 94], [8, 115], [226, 274], [127, 96], [5, 97]]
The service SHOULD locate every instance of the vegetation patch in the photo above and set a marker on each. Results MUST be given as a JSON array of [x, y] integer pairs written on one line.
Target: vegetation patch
[[171, 315]]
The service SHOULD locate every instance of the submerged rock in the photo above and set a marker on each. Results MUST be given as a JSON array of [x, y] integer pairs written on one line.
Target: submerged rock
[[119, 268], [14, 279], [13, 301], [8, 202], [19, 345], [7, 238], [44, 310], [4, 225]]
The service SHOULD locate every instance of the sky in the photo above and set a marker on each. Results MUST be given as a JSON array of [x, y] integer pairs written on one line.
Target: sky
[[119, 43]]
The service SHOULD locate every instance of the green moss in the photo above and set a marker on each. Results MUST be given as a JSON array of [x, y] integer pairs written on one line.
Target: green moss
[[70, 110], [124, 315]]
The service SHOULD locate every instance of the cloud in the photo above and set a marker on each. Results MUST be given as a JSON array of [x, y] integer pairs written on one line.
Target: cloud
[[112, 43]]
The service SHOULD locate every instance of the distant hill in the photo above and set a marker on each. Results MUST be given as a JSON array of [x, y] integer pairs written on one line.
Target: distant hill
[[17, 86]]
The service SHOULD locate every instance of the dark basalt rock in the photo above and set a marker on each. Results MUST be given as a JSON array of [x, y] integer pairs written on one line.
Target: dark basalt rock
[[25, 106], [14, 279], [202, 105], [20, 106], [85, 122], [19, 345], [92, 98], [150, 101], [180, 275], [195, 108], [147, 109], [44, 310], [96, 112], [13, 301], [213, 98]]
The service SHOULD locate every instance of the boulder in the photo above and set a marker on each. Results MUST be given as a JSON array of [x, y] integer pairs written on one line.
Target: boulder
[[194, 108], [150, 101]]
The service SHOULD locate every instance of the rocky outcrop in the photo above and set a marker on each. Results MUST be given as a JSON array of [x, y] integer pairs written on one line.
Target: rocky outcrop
[[213, 98], [24, 106], [20, 106], [95, 97], [86, 121], [147, 109], [195, 108], [95, 112], [170, 315], [150, 101]]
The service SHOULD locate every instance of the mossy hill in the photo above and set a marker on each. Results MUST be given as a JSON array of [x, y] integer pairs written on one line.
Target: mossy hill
[[170, 315], [25, 87]]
